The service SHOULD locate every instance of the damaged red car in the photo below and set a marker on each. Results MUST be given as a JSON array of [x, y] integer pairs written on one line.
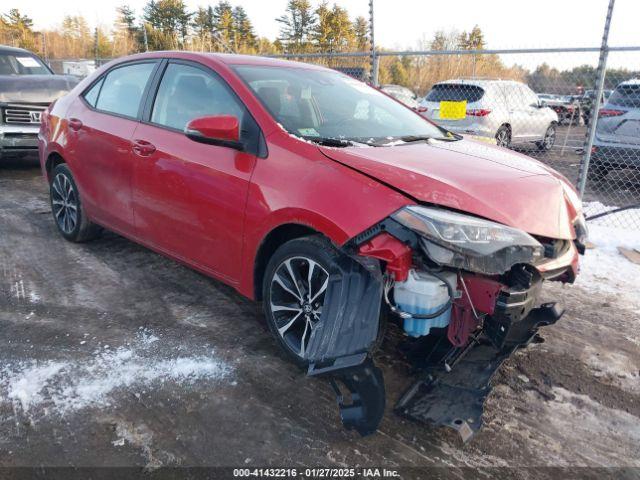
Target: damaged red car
[[330, 202]]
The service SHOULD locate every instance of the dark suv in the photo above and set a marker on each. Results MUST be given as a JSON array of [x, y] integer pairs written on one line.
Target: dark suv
[[27, 86]]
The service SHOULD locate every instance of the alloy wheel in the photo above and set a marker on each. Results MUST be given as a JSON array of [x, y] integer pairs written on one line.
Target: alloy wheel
[[549, 138], [502, 137], [64, 202], [296, 299]]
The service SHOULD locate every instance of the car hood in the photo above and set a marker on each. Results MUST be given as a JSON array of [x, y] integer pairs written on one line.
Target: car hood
[[34, 88], [472, 177]]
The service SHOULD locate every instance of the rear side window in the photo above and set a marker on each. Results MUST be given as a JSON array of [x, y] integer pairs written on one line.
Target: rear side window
[[122, 89], [626, 96], [454, 92], [91, 96], [187, 93]]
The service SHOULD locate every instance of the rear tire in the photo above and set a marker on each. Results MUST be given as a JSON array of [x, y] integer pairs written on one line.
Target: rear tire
[[503, 136], [66, 206]]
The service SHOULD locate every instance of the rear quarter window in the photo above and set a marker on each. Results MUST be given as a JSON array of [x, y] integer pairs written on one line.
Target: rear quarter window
[[454, 92], [626, 96]]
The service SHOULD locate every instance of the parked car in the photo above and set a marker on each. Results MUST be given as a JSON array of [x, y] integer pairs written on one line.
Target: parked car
[[406, 96], [27, 86], [617, 141], [260, 173], [506, 110], [586, 103], [565, 106]]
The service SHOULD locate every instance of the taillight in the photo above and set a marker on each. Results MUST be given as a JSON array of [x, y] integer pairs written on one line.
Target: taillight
[[607, 112], [421, 109], [478, 112]]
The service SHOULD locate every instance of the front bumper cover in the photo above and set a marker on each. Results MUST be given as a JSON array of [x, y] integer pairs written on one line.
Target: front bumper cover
[[18, 139]]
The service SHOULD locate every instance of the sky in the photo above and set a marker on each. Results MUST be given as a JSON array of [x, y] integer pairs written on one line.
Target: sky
[[400, 24]]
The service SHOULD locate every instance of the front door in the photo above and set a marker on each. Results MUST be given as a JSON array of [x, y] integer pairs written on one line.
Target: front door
[[189, 198]]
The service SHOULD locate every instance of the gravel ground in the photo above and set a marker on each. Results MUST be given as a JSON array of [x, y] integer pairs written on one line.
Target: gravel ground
[[111, 355]]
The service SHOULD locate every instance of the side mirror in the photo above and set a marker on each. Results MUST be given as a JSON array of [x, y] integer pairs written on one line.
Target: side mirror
[[221, 130]]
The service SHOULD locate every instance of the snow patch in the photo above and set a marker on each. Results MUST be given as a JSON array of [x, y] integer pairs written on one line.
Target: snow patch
[[66, 387], [604, 270]]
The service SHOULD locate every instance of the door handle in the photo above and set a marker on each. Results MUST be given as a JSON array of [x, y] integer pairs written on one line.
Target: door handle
[[75, 124], [143, 148]]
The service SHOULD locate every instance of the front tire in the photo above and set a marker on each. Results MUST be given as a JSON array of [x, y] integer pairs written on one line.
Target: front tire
[[503, 137], [66, 206], [549, 139], [294, 287]]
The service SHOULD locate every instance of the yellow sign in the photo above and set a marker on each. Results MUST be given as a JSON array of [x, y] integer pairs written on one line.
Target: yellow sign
[[453, 110]]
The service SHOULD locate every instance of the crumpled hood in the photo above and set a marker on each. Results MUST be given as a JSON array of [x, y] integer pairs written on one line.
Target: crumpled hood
[[34, 88], [477, 178]]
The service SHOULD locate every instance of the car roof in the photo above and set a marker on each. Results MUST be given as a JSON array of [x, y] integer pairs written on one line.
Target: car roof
[[227, 58], [480, 82], [633, 81], [8, 49]]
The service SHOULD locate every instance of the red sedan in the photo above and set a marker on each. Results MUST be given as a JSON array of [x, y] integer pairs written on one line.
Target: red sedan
[[329, 201]]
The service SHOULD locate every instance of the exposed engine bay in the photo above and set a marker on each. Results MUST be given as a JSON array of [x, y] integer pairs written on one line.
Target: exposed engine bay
[[465, 291]]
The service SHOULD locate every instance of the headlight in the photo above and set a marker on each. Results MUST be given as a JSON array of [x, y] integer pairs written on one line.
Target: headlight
[[582, 232], [467, 242]]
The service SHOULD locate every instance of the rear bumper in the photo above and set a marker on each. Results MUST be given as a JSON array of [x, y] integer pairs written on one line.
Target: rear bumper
[[17, 139]]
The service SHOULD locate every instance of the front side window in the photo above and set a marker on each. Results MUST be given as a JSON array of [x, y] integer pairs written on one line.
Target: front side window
[[22, 64], [320, 104], [188, 92], [122, 89]]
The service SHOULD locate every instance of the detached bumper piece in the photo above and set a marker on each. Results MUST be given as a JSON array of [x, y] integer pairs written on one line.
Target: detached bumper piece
[[339, 346], [366, 389], [454, 390]]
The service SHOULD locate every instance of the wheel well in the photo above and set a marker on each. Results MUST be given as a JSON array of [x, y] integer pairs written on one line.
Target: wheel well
[[508, 125], [270, 244], [52, 162]]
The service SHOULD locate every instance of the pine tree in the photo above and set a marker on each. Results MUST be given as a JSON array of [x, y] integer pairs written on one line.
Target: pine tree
[[333, 31], [361, 33], [19, 28], [169, 20], [224, 26], [246, 39], [298, 24]]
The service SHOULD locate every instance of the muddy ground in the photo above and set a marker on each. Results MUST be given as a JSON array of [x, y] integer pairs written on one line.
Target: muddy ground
[[111, 355]]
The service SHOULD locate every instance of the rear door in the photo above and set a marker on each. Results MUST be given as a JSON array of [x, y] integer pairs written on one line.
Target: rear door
[[539, 116], [619, 119], [189, 197], [100, 130], [519, 112]]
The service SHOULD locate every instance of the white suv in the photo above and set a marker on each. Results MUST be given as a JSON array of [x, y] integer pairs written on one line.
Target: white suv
[[504, 110]]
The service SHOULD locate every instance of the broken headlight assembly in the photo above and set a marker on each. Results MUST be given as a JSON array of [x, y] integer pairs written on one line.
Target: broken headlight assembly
[[469, 243]]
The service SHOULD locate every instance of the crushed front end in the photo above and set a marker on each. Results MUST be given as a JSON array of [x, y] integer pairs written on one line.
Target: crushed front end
[[465, 291]]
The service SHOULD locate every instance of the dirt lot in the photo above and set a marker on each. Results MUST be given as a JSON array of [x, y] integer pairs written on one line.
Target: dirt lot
[[111, 355]]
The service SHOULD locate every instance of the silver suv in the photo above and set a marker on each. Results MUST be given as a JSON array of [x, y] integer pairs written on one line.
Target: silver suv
[[617, 141], [504, 110]]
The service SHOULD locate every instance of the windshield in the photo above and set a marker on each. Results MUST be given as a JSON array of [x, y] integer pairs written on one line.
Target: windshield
[[317, 104], [21, 64]]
